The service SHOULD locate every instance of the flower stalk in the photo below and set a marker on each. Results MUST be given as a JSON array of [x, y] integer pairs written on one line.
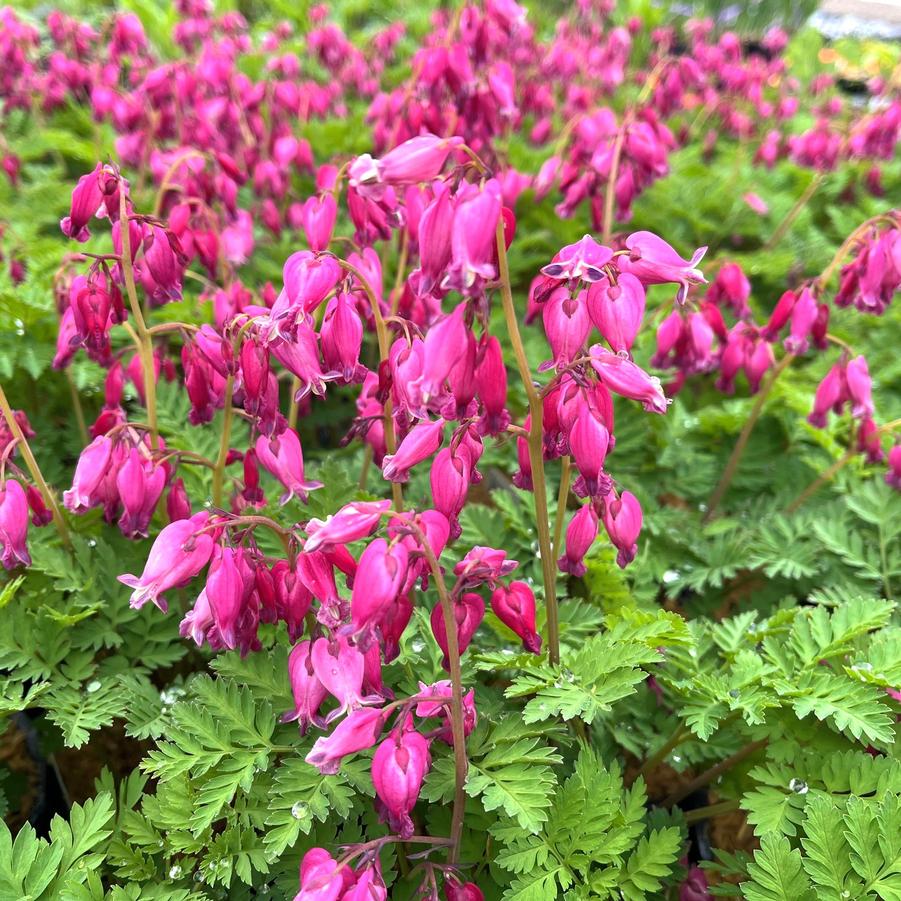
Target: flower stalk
[[536, 454]]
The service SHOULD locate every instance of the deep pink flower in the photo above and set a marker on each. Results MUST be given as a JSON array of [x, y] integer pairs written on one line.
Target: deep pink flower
[[491, 388], [514, 606], [319, 214], [320, 878], [283, 458], [359, 730], [417, 160], [860, 387], [589, 440], [351, 523], [13, 525], [469, 611], [473, 246], [583, 260], [454, 890], [379, 577], [893, 476], [339, 666], [622, 520], [92, 468], [617, 310], [803, 318], [87, 197], [419, 444], [399, 766], [623, 377], [140, 484], [439, 695], [654, 262], [580, 535], [228, 586], [178, 554], [341, 335], [308, 691], [567, 324]]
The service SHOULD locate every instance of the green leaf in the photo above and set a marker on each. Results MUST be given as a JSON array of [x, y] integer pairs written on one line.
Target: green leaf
[[776, 873], [828, 861], [650, 863]]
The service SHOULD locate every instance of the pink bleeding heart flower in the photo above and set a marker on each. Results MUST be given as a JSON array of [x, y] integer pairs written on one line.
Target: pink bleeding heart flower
[[380, 575], [308, 691], [617, 310], [893, 476], [484, 566], [417, 160], [351, 523], [454, 890], [437, 703], [623, 377], [654, 262], [622, 520], [583, 260], [320, 878], [140, 484], [399, 766], [491, 388], [580, 535], [804, 315], [228, 586], [514, 606], [469, 611], [340, 666], [13, 525], [473, 247], [860, 387], [341, 335], [92, 468], [283, 458], [419, 444], [589, 440], [359, 730], [319, 215], [180, 551], [567, 325], [87, 197]]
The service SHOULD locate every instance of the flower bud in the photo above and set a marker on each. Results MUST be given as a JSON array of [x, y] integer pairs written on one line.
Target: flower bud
[[514, 606]]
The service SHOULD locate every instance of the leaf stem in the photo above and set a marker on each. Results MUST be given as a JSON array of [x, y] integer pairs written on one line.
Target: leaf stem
[[710, 811], [682, 733], [795, 211], [536, 455], [562, 496], [713, 772]]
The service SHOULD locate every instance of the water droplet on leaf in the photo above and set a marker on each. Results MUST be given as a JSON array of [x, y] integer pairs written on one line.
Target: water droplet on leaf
[[91, 687], [798, 786]]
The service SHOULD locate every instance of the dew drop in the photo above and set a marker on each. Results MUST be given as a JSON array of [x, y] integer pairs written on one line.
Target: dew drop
[[92, 542], [300, 810], [417, 646], [175, 871], [670, 576], [198, 876], [91, 687], [798, 786], [862, 667], [734, 693], [677, 758]]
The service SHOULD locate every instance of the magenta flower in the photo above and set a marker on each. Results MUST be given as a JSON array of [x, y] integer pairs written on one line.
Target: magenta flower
[[580, 535], [491, 388], [514, 606], [622, 520], [617, 310], [654, 262], [359, 730], [589, 440], [283, 458], [417, 160], [473, 249], [829, 396], [319, 214], [339, 666], [469, 611], [87, 198], [860, 387], [567, 324], [399, 766], [341, 335], [320, 878], [441, 692], [13, 525], [380, 575], [454, 890], [419, 444], [625, 378], [351, 523], [308, 691], [228, 586], [893, 476], [180, 551], [92, 468], [803, 318], [583, 260], [140, 484]]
